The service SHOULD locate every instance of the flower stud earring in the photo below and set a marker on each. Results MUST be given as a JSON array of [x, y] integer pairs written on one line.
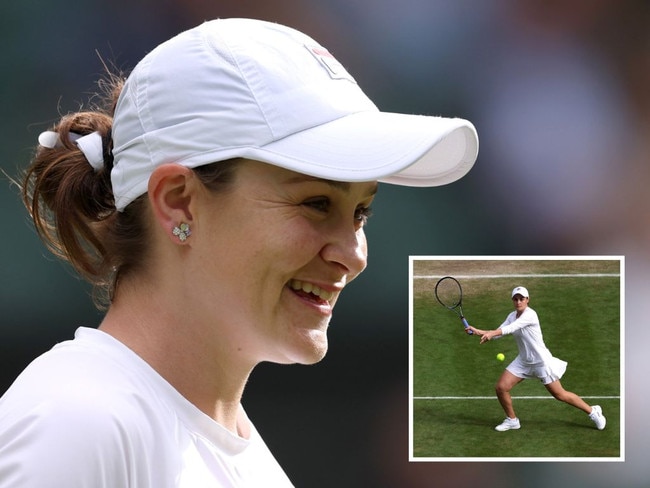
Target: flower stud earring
[[182, 231]]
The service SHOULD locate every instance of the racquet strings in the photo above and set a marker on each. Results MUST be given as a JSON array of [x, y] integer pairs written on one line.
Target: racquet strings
[[448, 292]]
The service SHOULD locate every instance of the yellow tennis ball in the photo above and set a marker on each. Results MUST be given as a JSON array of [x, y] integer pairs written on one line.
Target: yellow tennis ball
[[501, 356]]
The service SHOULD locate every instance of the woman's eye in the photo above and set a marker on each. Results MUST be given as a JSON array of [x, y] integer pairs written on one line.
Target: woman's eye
[[362, 214], [323, 205], [318, 204]]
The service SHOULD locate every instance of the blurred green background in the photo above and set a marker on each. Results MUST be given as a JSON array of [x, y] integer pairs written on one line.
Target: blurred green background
[[558, 91]]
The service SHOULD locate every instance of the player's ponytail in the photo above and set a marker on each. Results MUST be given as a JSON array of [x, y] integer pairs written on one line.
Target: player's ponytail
[[67, 190]]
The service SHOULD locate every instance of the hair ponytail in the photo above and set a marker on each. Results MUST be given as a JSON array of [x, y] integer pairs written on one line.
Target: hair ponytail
[[70, 201]]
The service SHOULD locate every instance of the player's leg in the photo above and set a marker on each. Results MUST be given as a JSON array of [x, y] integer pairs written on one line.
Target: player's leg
[[557, 390], [506, 382], [595, 413]]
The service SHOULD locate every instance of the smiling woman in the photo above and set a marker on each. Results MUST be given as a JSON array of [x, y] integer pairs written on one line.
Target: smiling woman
[[219, 216]]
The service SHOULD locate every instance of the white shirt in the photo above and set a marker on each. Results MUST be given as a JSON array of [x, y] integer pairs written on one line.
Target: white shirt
[[91, 413], [528, 336]]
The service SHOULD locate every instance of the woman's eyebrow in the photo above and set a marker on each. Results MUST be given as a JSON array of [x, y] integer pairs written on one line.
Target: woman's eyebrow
[[338, 185]]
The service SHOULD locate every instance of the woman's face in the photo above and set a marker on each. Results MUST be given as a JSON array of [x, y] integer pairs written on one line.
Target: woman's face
[[273, 254], [520, 302]]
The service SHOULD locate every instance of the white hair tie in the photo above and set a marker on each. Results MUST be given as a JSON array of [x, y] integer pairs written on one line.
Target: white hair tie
[[93, 148], [49, 139], [91, 145]]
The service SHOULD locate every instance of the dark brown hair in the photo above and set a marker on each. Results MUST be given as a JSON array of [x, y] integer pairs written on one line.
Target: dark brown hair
[[73, 207]]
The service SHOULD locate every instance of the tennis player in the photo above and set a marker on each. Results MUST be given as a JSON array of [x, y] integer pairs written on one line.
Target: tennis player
[[533, 361], [219, 202]]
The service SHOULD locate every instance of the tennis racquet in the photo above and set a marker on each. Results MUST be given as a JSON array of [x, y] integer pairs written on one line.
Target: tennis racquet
[[450, 295]]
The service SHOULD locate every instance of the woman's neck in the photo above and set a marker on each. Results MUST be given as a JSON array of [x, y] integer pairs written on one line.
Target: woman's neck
[[199, 367]]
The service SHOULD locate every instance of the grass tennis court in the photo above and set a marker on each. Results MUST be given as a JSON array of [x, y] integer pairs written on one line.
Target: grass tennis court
[[453, 406]]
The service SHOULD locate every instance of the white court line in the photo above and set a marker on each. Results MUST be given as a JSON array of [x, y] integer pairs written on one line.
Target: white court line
[[548, 397], [569, 275]]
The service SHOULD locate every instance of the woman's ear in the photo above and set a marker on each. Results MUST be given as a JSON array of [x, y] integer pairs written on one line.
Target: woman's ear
[[172, 192]]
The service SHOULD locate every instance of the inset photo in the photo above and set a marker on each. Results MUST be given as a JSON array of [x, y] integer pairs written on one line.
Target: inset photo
[[516, 358]]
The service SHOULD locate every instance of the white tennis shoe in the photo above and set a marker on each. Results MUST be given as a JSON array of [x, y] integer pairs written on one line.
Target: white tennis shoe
[[597, 417], [508, 424]]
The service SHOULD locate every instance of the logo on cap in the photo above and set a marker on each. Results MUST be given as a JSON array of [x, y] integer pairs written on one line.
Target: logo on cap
[[329, 62]]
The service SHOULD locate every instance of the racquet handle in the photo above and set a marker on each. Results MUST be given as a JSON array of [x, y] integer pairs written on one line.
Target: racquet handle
[[466, 325]]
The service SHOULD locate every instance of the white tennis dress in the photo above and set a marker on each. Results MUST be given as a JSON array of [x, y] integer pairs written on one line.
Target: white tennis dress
[[534, 359], [91, 413]]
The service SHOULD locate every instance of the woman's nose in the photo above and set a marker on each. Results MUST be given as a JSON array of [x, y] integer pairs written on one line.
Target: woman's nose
[[348, 249]]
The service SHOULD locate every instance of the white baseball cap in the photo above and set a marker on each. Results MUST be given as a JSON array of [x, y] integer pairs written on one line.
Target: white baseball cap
[[247, 88], [520, 290]]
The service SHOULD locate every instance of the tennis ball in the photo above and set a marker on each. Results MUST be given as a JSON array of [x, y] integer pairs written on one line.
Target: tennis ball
[[501, 356]]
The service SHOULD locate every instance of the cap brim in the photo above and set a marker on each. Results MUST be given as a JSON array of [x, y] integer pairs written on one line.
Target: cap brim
[[410, 150]]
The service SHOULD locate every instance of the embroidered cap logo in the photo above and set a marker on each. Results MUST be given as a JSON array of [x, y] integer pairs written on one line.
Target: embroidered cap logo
[[329, 62]]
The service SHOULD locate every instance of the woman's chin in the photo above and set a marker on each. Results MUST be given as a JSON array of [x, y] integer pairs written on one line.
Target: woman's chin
[[309, 348]]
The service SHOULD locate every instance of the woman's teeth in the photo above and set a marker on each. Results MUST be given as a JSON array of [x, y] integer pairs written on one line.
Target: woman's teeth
[[311, 288]]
